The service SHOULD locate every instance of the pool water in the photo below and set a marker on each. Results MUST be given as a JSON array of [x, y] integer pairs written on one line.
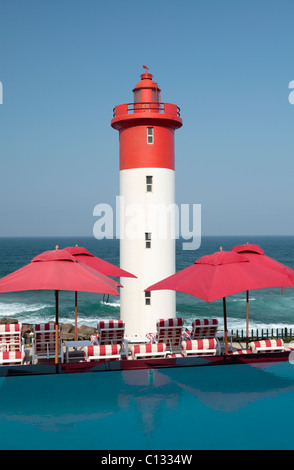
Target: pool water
[[217, 407]]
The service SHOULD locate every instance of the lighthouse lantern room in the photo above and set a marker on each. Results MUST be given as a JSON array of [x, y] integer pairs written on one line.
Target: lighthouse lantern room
[[147, 189]]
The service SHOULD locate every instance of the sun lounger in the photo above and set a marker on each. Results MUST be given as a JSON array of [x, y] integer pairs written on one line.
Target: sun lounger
[[11, 344], [267, 345], [105, 352], [109, 332], [168, 332], [202, 328], [44, 342], [11, 357], [10, 337], [200, 347], [148, 351]]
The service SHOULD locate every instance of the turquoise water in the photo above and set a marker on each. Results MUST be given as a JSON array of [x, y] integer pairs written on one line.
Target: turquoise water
[[217, 407], [268, 307]]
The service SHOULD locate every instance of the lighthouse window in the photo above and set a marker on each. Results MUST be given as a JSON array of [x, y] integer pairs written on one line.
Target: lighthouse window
[[137, 96], [147, 298], [149, 184], [150, 135], [148, 240]]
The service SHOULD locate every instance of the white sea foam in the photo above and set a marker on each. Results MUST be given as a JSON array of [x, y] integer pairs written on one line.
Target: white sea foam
[[11, 310], [111, 304]]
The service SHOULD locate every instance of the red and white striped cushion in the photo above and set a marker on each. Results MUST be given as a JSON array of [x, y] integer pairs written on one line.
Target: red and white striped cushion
[[44, 337], [110, 324], [151, 337], [110, 332], [10, 343], [206, 347], [176, 355], [267, 345], [103, 351], [10, 337], [94, 340], [170, 322], [151, 350], [11, 328], [40, 327], [240, 351], [11, 357], [204, 328], [170, 331]]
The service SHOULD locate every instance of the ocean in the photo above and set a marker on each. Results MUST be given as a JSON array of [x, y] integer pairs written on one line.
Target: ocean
[[269, 308]]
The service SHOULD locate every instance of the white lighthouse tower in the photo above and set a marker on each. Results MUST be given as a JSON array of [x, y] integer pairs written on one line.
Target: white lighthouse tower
[[147, 189]]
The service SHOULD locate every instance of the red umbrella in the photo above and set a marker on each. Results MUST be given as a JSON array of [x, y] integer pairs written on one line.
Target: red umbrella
[[221, 274], [57, 270], [98, 264], [256, 255]]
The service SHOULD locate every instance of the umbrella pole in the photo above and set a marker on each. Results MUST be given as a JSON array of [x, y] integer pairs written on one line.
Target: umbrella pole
[[76, 316], [247, 318], [56, 327], [225, 325]]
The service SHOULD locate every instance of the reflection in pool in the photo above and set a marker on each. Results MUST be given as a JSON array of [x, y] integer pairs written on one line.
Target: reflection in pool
[[221, 407]]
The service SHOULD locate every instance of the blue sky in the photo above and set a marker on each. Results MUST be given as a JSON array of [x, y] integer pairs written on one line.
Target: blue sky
[[64, 65]]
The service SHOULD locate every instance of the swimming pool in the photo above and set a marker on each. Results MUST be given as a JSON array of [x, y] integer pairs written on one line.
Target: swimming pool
[[248, 406]]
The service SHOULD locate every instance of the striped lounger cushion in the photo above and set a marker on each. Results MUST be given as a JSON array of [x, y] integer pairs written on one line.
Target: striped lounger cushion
[[241, 351], [109, 331], [11, 357], [94, 340], [10, 337], [206, 347], [204, 328], [45, 337], [169, 330], [46, 327], [11, 328], [176, 355], [103, 352], [147, 351], [110, 324], [267, 345]]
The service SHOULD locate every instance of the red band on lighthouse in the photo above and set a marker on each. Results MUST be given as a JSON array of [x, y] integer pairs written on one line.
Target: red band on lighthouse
[[135, 152]]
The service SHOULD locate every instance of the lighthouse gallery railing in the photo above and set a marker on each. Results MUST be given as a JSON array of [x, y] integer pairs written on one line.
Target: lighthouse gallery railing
[[141, 107]]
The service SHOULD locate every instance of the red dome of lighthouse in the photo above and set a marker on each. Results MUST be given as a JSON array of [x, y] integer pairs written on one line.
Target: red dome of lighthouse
[[146, 90]]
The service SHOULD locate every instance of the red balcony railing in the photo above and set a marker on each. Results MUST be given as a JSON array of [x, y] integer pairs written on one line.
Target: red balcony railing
[[162, 108]]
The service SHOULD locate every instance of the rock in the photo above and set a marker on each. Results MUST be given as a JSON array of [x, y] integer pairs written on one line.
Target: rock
[[67, 332], [85, 332], [6, 320]]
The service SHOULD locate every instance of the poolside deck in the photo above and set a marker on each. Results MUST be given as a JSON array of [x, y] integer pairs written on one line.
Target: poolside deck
[[78, 356]]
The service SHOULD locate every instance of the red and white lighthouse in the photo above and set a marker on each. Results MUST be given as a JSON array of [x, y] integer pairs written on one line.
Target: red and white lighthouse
[[147, 189]]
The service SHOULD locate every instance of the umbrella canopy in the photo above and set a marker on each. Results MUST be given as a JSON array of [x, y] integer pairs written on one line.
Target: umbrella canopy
[[256, 255], [108, 269], [58, 270], [99, 264], [221, 274]]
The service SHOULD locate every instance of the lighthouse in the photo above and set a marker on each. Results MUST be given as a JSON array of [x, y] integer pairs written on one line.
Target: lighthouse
[[147, 204]]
